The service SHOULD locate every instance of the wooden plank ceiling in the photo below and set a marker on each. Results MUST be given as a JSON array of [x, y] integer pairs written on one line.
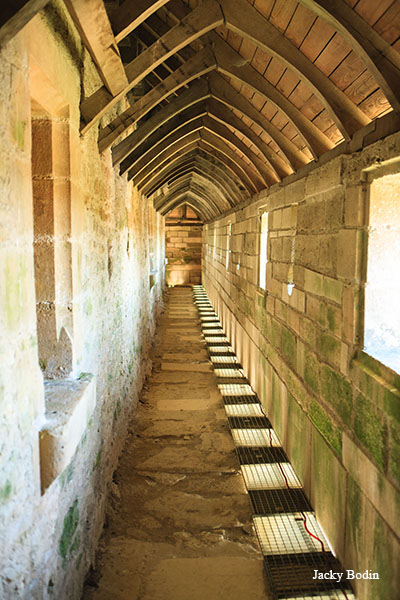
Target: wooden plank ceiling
[[222, 98]]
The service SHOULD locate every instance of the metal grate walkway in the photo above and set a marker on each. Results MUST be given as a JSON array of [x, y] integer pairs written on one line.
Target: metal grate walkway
[[294, 547]]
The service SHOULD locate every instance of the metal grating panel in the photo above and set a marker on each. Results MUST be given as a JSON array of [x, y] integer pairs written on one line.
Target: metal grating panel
[[254, 437], [251, 399], [249, 423], [215, 332], [285, 534], [267, 502], [222, 360], [235, 389], [225, 350], [292, 576], [252, 409], [291, 555], [270, 476], [254, 456]]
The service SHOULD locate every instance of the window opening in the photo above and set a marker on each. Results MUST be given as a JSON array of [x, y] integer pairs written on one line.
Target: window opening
[[228, 244], [263, 251], [52, 241], [382, 289]]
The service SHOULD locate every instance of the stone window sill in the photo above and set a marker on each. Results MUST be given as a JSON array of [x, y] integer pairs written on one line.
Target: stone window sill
[[384, 374], [69, 406]]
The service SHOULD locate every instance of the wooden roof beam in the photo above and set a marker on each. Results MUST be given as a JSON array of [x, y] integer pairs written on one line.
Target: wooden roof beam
[[253, 176], [195, 94], [198, 205], [221, 130], [203, 63], [204, 187], [195, 166], [230, 62], [198, 171], [91, 20], [208, 204], [225, 93], [187, 121], [221, 112], [131, 14], [15, 15], [379, 57], [210, 138], [244, 19], [198, 22], [195, 157], [205, 162], [184, 146], [224, 157], [199, 65]]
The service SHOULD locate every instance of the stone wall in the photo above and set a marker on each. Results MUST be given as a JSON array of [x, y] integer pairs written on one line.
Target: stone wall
[[183, 247], [60, 440], [335, 409]]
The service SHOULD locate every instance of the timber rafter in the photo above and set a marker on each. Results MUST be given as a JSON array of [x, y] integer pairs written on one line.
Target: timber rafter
[[211, 120]]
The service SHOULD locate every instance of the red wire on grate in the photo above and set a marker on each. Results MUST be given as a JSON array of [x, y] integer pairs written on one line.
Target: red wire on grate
[[302, 514]]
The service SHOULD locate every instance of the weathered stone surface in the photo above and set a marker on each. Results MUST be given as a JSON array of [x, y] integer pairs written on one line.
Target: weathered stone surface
[[299, 351], [90, 278], [179, 526]]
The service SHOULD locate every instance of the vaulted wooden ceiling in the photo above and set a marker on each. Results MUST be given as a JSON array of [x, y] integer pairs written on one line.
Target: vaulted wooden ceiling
[[227, 97]]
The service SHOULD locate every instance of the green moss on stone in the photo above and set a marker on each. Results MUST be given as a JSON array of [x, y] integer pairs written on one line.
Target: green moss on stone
[[386, 586], [66, 475], [289, 346], [311, 371], [96, 463], [331, 317], [88, 307], [117, 410], [275, 334], [5, 491], [336, 390], [325, 426], [19, 133], [261, 300], [75, 544], [394, 456], [70, 524], [391, 400], [369, 430], [354, 506], [332, 289], [328, 346]]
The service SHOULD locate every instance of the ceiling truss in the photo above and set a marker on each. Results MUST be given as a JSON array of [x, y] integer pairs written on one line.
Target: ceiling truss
[[221, 99]]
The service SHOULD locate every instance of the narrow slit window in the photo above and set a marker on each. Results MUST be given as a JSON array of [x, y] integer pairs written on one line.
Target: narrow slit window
[[228, 244], [263, 251]]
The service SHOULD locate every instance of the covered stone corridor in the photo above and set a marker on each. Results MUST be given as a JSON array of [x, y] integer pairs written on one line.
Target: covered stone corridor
[[180, 520], [177, 175]]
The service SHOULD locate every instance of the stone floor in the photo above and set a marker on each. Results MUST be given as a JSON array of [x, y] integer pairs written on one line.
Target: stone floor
[[179, 519]]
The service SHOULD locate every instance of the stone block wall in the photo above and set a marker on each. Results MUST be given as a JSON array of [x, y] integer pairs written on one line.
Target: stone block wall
[[183, 248], [335, 409], [95, 282]]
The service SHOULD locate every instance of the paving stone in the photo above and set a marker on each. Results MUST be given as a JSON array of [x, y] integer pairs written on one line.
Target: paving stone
[[179, 517]]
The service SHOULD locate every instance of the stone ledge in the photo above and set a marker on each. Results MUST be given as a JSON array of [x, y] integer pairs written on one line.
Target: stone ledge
[[69, 406]]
